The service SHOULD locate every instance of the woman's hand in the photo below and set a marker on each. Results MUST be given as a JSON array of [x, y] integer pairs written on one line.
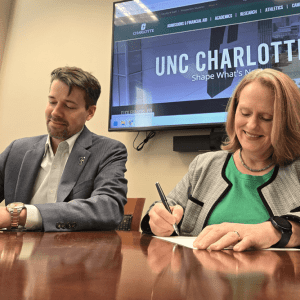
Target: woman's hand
[[240, 236], [161, 221]]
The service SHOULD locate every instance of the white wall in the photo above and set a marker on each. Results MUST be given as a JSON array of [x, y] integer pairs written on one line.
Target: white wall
[[5, 6], [46, 34]]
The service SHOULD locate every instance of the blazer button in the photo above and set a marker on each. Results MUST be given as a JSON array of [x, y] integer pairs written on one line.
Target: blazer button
[[73, 225], [68, 225], [63, 225], [58, 225]]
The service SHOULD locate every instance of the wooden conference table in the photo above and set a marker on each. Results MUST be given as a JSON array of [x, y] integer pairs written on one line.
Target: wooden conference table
[[129, 265]]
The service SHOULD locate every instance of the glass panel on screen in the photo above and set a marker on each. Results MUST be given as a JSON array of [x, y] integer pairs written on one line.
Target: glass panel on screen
[[175, 63]]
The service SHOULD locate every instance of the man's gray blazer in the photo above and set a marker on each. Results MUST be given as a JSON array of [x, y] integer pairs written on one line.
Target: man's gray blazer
[[92, 191]]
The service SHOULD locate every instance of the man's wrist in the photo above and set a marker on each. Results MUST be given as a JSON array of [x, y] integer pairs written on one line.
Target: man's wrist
[[23, 217]]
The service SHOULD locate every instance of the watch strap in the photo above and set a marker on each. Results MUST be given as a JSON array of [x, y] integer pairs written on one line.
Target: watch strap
[[15, 216], [285, 238]]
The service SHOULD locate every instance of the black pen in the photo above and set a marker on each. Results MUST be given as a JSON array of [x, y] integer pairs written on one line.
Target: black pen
[[165, 203]]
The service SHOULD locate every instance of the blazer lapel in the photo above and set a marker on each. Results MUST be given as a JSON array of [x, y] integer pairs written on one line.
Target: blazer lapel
[[28, 172], [75, 164]]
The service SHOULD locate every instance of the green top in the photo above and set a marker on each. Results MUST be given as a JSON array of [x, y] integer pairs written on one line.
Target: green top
[[242, 204]]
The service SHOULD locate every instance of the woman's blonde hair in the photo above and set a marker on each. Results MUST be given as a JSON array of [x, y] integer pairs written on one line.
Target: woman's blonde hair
[[285, 135]]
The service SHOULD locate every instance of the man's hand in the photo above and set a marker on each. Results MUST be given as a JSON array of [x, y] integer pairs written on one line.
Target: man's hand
[[161, 221], [240, 236], [4, 218]]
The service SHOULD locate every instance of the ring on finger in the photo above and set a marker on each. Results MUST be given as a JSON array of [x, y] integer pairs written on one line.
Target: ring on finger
[[237, 235]]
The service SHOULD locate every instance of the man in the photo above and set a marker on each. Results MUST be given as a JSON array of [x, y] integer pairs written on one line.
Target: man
[[70, 179]]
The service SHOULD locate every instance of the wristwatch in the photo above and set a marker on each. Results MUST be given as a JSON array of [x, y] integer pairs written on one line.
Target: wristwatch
[[15, 209], [283, 226]]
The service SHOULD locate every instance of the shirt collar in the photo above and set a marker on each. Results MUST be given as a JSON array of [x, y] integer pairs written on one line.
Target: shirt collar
[[71, 141]]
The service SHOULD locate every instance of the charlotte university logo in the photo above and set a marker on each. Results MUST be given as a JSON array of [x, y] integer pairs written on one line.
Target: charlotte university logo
[[143, 30]]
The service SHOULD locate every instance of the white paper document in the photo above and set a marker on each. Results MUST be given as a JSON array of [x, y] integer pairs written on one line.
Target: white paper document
[[187, 241]]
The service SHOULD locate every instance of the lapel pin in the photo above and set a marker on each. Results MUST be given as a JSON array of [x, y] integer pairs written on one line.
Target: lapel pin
[[81, 160]]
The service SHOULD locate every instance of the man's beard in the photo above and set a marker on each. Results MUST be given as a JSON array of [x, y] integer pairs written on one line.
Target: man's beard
[[60, 134]]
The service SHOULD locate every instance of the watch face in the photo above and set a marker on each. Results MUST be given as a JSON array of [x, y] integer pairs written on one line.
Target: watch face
[[283, 223], [15, 204]]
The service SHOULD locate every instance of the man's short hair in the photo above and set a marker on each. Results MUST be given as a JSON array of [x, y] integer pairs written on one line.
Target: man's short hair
[[76, 77]]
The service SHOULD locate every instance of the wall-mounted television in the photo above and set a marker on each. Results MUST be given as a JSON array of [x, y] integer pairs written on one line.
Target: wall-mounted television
[[175, 63]]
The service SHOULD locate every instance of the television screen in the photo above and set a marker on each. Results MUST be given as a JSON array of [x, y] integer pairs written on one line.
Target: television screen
[[176, 62]]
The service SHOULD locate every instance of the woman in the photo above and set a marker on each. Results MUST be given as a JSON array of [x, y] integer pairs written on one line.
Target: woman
[[248, 195]]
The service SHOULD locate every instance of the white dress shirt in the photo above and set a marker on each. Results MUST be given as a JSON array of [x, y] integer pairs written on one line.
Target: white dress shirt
[[48, 178]]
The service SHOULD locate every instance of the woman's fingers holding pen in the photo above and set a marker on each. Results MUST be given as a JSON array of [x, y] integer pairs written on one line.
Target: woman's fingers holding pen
[[161, 221], [177, 212]]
